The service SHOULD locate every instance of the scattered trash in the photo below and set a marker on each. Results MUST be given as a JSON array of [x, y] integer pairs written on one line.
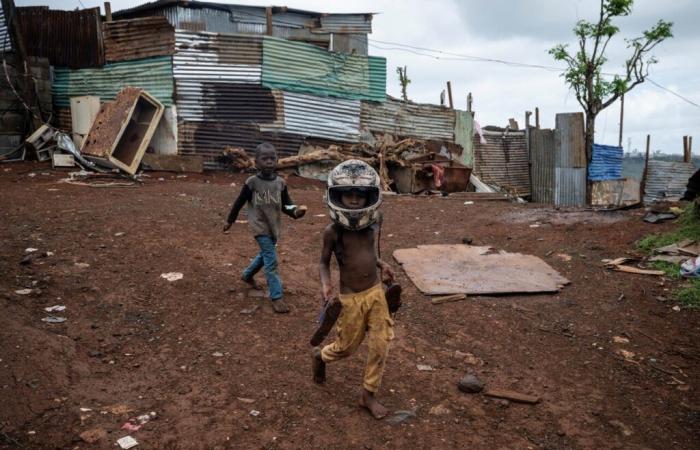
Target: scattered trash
[[691, 268], [246, 400], [82, 265], [470, 384], [55, 308], [401, 416], [254, 412], [659, 217], [53, 319], [217, 354], [131, 427], [93, 435], [469, 202], [563, 256], [30, 250], [439, 410], [618, 265], [127, 442], [172, 276], [424, 368], [251, 310], [119, 234], [620, 340], [319, 215], [24, 291], [628, 355], [676, 308], [512, 396]]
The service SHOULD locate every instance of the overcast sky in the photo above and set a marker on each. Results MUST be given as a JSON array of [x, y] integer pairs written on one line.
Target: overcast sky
[[521, 31]]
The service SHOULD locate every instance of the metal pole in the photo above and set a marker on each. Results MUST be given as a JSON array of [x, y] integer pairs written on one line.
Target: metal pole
[[449, 94], [537, 118], [622, 117]]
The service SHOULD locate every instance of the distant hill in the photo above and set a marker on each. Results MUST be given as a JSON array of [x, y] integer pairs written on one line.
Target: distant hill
[[633, 164]]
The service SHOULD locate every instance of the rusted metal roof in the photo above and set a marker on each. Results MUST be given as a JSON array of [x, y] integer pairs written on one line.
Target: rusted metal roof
[[321, 117], [347, 23], [666, 180], [503, 161], [67, 38], [208, 139], [207, 101], [138, 38], [217, 57], [403, 118], [542, 163]]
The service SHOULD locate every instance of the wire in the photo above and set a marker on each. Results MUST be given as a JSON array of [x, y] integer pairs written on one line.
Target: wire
[[672, 92]]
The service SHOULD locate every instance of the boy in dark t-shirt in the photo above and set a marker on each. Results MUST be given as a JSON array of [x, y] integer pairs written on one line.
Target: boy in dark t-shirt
[[266, 196]]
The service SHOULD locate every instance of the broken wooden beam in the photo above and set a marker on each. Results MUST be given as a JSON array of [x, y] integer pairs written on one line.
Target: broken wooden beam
[[447, 298], [512, 396]]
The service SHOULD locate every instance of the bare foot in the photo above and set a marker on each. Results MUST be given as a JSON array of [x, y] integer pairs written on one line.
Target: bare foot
[[371, 404], [319, 367]]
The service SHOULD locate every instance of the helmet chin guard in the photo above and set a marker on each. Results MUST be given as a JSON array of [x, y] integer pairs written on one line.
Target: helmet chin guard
[[353, 175]]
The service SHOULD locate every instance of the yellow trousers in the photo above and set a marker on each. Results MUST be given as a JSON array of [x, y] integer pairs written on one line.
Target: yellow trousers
[[362, 312]]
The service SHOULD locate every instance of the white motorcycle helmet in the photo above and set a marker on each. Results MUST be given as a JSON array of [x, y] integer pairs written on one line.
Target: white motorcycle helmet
[[346, 176]]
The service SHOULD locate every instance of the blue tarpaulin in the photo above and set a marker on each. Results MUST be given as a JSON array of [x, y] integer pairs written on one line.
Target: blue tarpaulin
[[606, 163]]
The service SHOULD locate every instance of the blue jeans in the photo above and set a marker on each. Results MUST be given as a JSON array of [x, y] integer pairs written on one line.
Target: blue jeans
[[267, 258]]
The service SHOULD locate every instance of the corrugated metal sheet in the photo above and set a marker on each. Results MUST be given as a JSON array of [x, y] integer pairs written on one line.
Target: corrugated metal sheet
[[464, 131], [322, 117], [542, 162], [569, 186], [606, 163], [155, 75], [503, 161], [408, 119], [570, 140], [217, 57], [5, 41], [350, 43], [138, 38], [68, 38], [301, 67], [667, 180], [347, 23], [208, 139], [224, 102], [215, 20]]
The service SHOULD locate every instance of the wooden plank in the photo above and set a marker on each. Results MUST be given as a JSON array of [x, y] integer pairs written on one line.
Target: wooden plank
[[630, 269], [173, 163], [447, 298], [512, 396]]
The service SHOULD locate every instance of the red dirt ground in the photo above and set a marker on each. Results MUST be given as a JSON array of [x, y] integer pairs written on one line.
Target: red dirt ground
[[134, 342]]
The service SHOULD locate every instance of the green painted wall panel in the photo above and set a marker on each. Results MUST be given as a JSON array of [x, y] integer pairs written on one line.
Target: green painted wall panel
[[155, 75], [301, 67], [464, 132]]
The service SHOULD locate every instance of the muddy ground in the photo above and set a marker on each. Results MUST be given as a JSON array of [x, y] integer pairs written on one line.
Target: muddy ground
[[135, 343]]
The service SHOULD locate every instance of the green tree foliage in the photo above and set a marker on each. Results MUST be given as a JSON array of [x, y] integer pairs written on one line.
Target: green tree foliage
[[594, 91], [404, 80]]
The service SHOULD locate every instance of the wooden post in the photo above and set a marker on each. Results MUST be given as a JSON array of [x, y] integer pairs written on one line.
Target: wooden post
[[268, 17], [537, 118], [622, 118], [469, 102], [690, 148], [642, 185], [527, 119], [685, 149], [449, 94], [108, 12]]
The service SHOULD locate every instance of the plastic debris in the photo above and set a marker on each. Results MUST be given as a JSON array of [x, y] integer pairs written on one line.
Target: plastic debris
[[55, 308], [24, 291], [691, 268], [53, 319], [172, 276], [30, 250], [217, 354], [401, 416], [127, 442], [254, 412], [424, 368]]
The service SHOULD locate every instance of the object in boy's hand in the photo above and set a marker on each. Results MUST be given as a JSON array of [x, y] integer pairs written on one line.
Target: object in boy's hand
[[392, 294], [329, 315]]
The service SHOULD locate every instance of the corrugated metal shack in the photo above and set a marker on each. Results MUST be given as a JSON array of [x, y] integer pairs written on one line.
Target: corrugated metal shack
[[558, 162], [666, 180], [503, 160]]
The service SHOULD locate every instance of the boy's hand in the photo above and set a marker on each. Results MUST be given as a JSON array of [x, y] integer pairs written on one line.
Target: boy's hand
[[387, 273], [227, 226], [326, 293]]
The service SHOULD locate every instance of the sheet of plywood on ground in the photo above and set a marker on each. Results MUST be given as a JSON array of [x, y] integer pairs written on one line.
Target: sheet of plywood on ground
[[472, 270]]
